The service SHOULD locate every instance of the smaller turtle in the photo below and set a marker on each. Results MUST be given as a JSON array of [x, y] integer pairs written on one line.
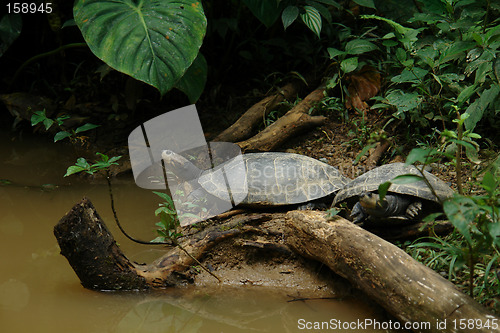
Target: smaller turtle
[[403, 203]]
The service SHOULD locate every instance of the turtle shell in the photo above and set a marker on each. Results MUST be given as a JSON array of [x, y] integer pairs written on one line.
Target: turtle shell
[[370, 181], [273, 179]]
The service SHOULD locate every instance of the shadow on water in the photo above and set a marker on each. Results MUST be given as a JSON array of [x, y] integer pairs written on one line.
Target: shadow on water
[[39, 292]]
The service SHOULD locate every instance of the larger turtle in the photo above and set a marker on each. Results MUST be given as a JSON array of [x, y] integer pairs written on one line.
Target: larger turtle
[[404, 203], [262, 179]]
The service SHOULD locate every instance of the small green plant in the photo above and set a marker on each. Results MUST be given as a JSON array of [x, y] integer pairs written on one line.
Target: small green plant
[[169, 222], [459, 140], [476, 218], [348, 60], [41, 117], [332, 212], [82, 165], [311, 13], [169, 225]]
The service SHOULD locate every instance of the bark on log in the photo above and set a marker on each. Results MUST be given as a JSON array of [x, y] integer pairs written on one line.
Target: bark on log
[[91, 250], [242, 128], [407, 289], [294, 121]]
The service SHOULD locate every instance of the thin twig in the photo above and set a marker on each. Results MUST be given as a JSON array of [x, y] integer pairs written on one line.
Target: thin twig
[[118, 222], [196, 260]]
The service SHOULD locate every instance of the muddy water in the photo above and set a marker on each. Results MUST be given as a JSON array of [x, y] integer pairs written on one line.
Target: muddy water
[[39, 292]]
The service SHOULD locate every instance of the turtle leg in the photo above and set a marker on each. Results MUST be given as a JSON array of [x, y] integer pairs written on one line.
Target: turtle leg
[[315, 204], [414, 209], [358, 213]]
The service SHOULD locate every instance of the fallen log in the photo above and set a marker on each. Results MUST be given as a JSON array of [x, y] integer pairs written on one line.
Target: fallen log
[[375, 156], [99, 263], [294, 121], [243, 127], [407, 289]]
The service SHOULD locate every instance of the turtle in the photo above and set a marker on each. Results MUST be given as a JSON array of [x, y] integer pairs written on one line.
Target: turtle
[[261, 179], [403, 203]]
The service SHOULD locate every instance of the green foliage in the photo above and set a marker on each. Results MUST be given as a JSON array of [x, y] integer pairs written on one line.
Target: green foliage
[[169, 218], [332, 212], [474, 217], [446, 255], [448, 58], [312, 12], [82, 165], [169, 223], [151, 40], [41, 117], [477, 242], [349, 57]]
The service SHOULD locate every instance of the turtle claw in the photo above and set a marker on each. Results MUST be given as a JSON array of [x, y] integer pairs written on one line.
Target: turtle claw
[[414, 209]]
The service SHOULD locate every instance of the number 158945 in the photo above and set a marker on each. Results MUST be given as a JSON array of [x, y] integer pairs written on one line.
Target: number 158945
[[29, 8]]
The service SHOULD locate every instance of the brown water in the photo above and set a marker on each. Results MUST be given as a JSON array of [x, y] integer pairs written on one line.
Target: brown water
[[39, 292]]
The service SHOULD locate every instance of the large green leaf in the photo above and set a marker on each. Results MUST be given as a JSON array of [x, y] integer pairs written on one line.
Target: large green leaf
[[154, 41], [348, 65]]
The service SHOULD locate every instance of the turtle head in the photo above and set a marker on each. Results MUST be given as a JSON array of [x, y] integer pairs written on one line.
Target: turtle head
[[179, 167], [371, 201]]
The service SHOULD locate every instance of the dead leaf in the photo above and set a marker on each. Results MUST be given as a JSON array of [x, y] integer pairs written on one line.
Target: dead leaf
[[364, 84]]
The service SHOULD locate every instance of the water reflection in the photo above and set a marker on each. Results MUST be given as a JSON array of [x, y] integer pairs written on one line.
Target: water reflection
[[240, 310], [39, 292]]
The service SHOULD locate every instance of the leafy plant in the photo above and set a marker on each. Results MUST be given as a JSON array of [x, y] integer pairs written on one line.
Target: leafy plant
[[311, 12], [476, 218], [169, 222], [447, 60], [82, 165], [41, 117], [168, 231]]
